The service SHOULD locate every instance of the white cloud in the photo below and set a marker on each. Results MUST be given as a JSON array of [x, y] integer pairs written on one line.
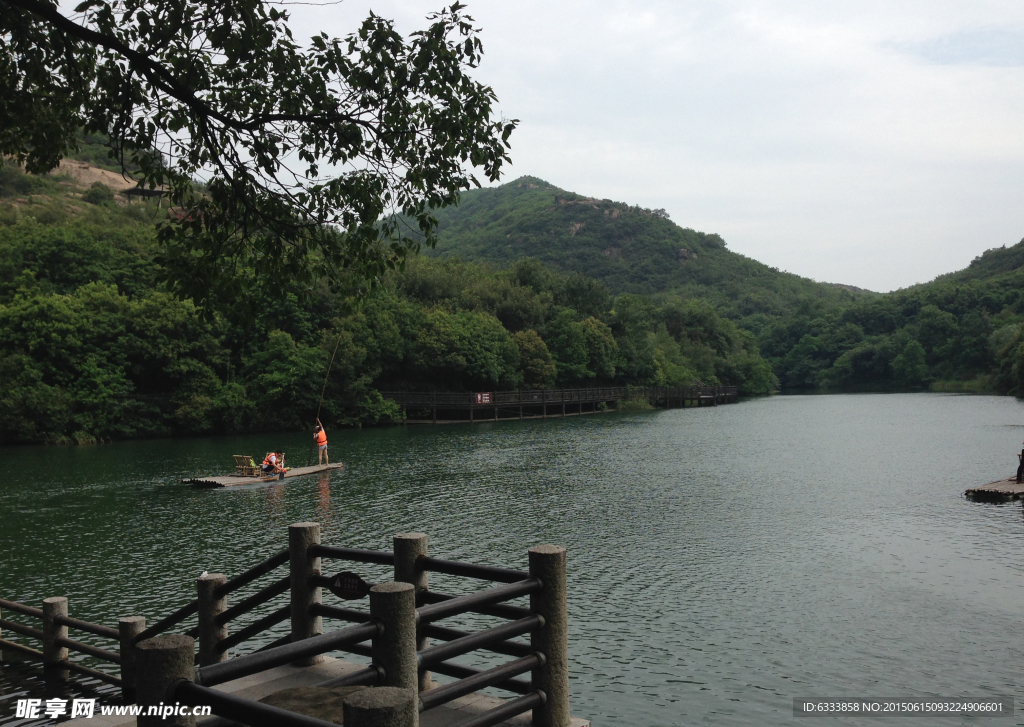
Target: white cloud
[[871, 143]]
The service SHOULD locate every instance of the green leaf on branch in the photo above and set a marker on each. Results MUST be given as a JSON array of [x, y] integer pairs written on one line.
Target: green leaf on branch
[[383, 127]]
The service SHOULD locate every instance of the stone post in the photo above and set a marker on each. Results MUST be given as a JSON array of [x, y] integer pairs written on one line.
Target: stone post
[[547, 562], [52, 653], [300, 537], [381, 707], [408, 547], [211, 606], [128, 628], [394, 606], [161, 661]]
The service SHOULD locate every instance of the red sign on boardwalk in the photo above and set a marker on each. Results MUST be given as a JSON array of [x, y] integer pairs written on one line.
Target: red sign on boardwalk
[[483, 397]]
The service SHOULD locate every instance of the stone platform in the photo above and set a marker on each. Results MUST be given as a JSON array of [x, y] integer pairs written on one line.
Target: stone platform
[[273, 681], [998, 491]]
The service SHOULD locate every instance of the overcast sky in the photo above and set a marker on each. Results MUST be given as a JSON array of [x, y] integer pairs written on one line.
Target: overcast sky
[[877, 144]]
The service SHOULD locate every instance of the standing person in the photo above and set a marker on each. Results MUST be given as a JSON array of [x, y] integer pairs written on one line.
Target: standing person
[[320, 437]]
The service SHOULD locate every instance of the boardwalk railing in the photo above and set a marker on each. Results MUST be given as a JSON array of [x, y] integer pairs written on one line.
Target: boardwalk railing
[[55, 642], [396, 633], [543, 403]]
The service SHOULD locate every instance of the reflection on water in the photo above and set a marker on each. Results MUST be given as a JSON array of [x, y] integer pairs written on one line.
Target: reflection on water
[[722, 560], [323, 501]]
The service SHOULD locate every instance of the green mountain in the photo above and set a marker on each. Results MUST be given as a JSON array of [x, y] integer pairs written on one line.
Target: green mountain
[[630, 249], [963, 331]]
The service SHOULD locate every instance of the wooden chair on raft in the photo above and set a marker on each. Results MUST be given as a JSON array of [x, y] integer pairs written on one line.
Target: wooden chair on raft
[[246, 466]]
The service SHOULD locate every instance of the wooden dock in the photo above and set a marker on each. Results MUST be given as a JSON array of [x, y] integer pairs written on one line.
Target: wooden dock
[[998, 491], [233, 480]]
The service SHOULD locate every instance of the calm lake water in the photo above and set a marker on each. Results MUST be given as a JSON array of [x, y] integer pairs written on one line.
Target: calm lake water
[[722, 561]]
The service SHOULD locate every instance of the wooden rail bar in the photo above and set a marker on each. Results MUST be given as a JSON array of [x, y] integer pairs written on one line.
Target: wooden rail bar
[[508, 648], [492, 596], [469, 570], [342, 614], [20, 629], [104, 631], [275, 561], [165, 623], [262, 660], [95, 651], [21, 608], [511, 708], [86, 671], [501, 610], [358, 555], [6, 645], [516, 686], [256, 599], [257, 627], [489, 678], [478, 640]]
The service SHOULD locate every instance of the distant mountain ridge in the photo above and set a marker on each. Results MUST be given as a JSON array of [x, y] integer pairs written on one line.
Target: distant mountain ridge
[[629, 248], [999, 265]]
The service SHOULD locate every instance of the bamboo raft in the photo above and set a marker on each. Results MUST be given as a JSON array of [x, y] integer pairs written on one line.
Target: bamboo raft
[[998, 491], [235, 479]]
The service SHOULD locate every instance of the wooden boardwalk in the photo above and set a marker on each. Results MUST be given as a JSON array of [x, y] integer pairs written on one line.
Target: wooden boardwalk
[[232, 480], [282, 686], [998, 491], [457, 407]]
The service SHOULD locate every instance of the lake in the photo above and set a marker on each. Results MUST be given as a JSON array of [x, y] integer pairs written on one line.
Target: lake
[[722, 561]]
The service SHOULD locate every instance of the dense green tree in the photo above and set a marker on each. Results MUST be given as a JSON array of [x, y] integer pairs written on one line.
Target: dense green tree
[[602, 350], [315, 156], [539, 369], [909, 368], [465, 349], [935, 329], [673, 368], [568, 343]]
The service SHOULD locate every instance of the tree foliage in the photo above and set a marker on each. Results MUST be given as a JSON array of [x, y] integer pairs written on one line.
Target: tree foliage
[[322, 161], [92, 345]]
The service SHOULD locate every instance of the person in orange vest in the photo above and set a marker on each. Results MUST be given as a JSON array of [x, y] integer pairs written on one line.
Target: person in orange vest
[[273, 463], [320, 437]]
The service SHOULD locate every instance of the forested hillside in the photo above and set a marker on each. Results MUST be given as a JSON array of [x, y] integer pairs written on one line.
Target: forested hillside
[[959, 332], [630, 249], [93, 346]]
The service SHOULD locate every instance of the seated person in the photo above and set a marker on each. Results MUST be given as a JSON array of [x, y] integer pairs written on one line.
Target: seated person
[[272, 463]]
